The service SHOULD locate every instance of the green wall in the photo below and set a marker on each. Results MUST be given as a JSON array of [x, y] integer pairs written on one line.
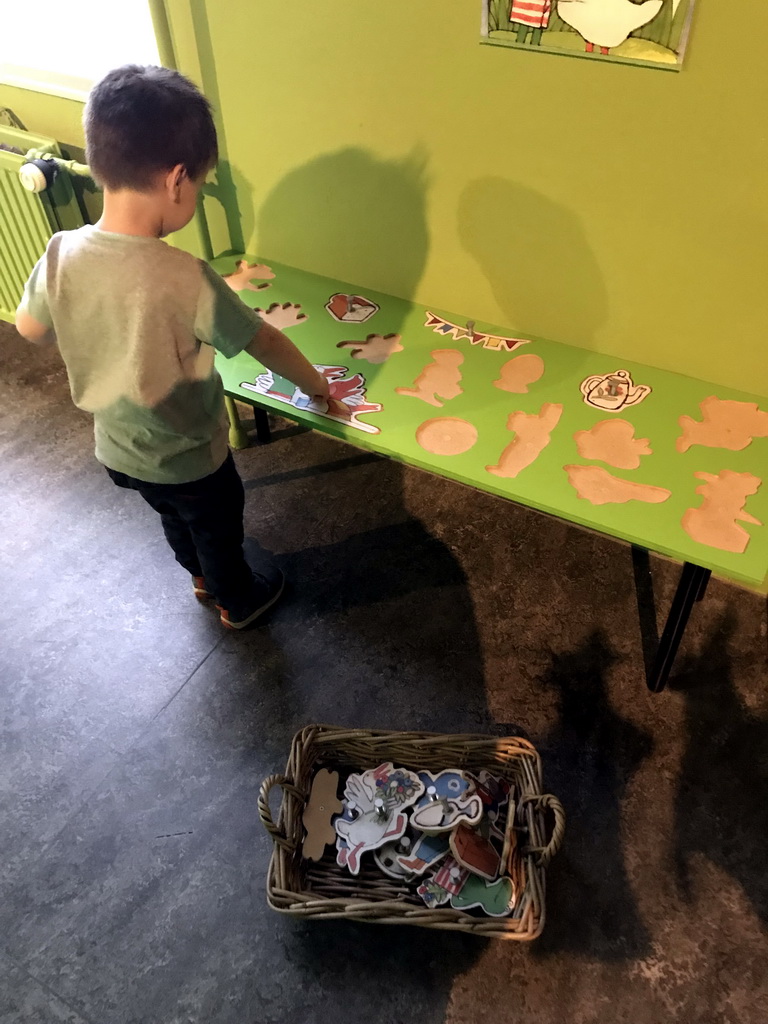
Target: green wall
[[618, 208]]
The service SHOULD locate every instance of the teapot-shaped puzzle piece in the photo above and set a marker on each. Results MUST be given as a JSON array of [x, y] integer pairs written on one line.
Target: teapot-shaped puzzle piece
[[449, 798], [613, 391], [373, 811]]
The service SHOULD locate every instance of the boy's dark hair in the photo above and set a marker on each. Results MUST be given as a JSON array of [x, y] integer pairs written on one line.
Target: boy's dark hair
[[142, 120]]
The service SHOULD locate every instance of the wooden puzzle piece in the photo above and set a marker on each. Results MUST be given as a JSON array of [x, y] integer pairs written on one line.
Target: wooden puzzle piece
[[716, 521], [456, 331], [446, 435], [612, 391], [242, 279], [375, 801], [426, 852], [724, 424], [600, 487], [377, 348], [614, 442], [322, 805], [438, 379], [283, 317], [474, 852], [347, 400], [518, 373], [497, 898], [532, 435], [447, 881], [354, 309], [495, 793], [448, 798], [389, 859]]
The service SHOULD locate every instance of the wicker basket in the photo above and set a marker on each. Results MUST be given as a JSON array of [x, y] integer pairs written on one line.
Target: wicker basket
[[324, 890]]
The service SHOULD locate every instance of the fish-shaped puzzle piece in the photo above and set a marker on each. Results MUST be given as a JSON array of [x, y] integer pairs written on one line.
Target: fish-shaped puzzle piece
[[374, 802], [497, 898], [321, 807], [449, 798]]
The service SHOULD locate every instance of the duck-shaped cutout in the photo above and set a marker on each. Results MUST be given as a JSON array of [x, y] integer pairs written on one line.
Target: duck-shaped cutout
[[607, 23]]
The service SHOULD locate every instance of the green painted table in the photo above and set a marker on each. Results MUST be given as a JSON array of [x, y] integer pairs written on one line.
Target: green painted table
[[561, 391]]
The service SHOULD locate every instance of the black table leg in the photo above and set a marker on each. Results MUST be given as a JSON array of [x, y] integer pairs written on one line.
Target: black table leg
[[690, 589], [261, 419]]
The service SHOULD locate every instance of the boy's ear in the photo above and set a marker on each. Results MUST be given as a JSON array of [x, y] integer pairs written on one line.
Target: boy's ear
[[173, 181]]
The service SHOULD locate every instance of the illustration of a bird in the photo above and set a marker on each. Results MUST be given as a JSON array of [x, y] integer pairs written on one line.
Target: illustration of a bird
[[606, 23]]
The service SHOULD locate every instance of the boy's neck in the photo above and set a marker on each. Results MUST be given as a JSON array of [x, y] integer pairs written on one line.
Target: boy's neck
[[131, 213]]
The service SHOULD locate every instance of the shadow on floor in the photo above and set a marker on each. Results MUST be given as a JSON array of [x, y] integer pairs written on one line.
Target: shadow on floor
[[590, 758], [721, 809]]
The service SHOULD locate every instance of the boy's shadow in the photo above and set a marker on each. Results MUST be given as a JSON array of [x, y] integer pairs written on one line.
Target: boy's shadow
[[590, 759], [722, 800]]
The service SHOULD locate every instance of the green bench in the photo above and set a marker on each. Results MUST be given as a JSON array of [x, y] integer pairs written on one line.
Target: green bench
[[590, 438]]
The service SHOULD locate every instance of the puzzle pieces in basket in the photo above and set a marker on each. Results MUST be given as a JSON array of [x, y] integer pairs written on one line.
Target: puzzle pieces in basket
[[449, 798], [322, 805], [447, 881], [373, 811], [426, 852], [494, 792], [497, 898], [388, 858], [474, 852]]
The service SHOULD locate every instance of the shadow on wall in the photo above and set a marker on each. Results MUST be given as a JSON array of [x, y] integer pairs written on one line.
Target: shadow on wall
[[353, 216], [536, 259], [721, 809]]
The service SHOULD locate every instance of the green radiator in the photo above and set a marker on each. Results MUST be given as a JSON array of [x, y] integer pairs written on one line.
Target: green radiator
[[28, 220]]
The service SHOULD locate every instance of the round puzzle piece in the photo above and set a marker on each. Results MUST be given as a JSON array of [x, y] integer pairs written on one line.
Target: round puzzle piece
[[446, 435]]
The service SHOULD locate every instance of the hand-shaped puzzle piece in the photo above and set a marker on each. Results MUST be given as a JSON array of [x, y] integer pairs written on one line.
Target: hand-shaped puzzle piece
[[449, 798], [377, 348], [284, 316], [242, 278], [373, 811], [322, 805]]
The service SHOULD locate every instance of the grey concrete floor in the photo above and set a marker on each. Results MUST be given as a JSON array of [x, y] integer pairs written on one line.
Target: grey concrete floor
[[135, 734]]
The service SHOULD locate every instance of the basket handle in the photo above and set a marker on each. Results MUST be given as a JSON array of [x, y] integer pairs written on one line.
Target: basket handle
[[266, 814], [541, 802]]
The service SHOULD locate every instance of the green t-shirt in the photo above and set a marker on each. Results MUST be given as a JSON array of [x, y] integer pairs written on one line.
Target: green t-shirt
[[137, 323]]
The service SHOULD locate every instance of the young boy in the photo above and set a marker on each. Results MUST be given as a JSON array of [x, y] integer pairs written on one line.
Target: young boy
[[137, 322]]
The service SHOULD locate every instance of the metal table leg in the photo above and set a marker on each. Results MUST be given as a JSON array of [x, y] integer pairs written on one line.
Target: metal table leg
[[261, 419], [690, 589]]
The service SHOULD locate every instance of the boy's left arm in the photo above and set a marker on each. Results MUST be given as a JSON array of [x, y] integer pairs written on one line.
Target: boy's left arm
[[33, 317], [33, 330]]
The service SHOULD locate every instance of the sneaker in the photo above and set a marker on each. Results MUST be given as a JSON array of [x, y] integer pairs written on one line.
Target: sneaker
[[198, 585], [270, 583]]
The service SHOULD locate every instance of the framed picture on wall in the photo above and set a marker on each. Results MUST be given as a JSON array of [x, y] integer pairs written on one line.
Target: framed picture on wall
[[652, 33]]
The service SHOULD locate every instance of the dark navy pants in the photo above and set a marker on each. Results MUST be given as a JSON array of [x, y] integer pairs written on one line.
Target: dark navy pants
[[203, 523]]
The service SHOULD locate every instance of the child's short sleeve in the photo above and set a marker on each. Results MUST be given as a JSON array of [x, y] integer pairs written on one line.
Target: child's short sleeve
[[35, 298], [222, 319]]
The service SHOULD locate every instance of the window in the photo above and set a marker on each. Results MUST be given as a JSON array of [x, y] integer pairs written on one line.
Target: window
[[64, 46]]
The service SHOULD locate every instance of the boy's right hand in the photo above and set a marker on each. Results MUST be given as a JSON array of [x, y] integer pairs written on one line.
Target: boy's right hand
[[319, 389]]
